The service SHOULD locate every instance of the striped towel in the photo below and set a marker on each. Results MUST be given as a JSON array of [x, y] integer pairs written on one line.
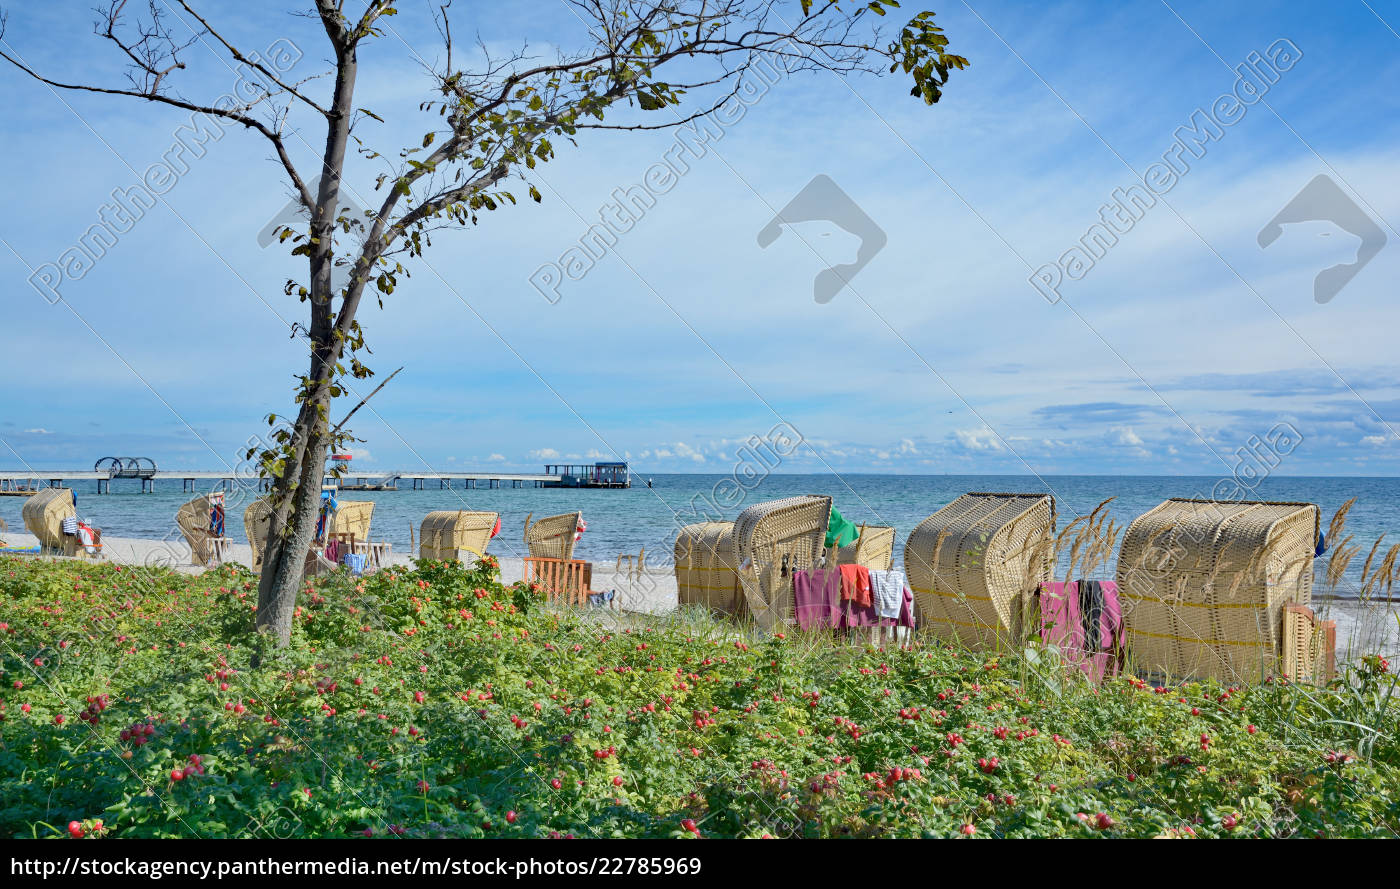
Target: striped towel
[[70, 525]]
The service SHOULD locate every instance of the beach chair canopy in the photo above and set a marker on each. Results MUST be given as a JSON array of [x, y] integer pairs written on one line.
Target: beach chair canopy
[[43, 515], [446, 533], [975, 563], [706, 571], [196, 523], [552, 537], [352, 517], [1205, 584], [257, 517], [770, 541], [874, 548]]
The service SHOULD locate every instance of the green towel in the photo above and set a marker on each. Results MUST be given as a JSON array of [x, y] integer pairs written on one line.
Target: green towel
[[840, 531]]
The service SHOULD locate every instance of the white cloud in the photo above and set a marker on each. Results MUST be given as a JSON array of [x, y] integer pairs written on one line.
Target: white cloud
[[497, 458], [1376, 441], [544, 454], [983, 439], [38, 431], [1124, 436], [361, 454], [685, 450]]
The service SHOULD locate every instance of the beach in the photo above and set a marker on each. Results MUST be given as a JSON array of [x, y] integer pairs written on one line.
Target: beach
[[1362, 627]]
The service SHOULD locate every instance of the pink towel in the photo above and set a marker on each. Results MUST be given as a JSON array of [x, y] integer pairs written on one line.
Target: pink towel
[[1062, 625]]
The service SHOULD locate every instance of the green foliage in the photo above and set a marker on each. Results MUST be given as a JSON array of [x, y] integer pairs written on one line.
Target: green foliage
[[436, 702]]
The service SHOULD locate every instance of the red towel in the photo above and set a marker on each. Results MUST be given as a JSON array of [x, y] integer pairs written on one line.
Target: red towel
[[855, 585]]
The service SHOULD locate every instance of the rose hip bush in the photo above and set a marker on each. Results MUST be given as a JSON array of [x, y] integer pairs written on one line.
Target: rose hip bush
[[438, 702]]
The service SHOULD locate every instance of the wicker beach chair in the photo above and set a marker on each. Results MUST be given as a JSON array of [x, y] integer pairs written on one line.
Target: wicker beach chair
[[43, 515], [552, 537], [193, 520], [770, 541], [706, 571], [874, 548], [1206, 588], [975, 563], [256, 519], [446, 533], [353, 518]]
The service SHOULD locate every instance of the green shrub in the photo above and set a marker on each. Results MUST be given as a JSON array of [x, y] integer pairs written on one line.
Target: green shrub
[[437, 702]]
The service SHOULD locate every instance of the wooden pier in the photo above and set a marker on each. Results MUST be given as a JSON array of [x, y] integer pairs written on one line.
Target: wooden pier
[[27, 481]]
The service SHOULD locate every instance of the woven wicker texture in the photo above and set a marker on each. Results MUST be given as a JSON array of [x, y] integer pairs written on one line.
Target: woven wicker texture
[[352, 517], [873, 549], [706, 573], [446, 533], [192, 519], [43, 515], [1309, 645], [552, 537], [771, 540], [1204, 585], [256, 519], [974, 564]]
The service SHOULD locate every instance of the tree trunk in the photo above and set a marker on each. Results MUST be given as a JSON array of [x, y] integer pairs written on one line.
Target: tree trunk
[[296, 493]]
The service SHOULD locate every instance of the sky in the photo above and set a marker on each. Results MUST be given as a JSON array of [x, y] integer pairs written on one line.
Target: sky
[[1001, 319]]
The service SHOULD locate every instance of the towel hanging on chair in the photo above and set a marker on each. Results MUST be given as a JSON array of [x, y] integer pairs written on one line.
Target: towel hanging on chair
[[840, 531]]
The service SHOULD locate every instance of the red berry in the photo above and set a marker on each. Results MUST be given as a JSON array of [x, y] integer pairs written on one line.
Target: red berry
[[75, 830], [177, 774], [510, 817], [617, 780]]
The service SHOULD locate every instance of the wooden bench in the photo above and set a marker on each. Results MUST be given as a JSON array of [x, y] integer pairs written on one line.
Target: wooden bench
[[377, 553], [569, 580]]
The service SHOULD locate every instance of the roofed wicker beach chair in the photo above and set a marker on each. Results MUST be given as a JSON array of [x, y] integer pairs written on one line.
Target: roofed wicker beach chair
[[201, 521], [706, 570], [1207, 588], [44, 514], [552, 537], [874, 548], [975, 563], [353, 518], [257, 517], [445, 534], [771, 540]]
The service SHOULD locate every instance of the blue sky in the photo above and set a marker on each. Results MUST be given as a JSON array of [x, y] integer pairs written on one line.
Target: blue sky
[[1183, 343]]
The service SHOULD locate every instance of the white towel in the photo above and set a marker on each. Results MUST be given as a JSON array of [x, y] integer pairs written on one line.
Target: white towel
[[888, 587]]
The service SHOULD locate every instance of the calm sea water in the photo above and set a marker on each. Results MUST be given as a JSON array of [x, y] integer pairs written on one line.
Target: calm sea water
[[624, 521]]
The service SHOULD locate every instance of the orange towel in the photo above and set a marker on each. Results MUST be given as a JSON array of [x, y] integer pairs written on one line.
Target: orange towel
[[855, 585]]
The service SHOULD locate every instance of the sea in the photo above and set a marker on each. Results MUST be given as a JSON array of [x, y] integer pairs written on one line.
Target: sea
[[644, 517]]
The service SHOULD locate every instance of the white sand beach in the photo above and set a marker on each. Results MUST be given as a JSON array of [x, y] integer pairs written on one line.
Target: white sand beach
[[1362, 628]]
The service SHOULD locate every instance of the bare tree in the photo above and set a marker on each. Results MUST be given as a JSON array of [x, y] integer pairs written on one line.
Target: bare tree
[[493, 121]]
